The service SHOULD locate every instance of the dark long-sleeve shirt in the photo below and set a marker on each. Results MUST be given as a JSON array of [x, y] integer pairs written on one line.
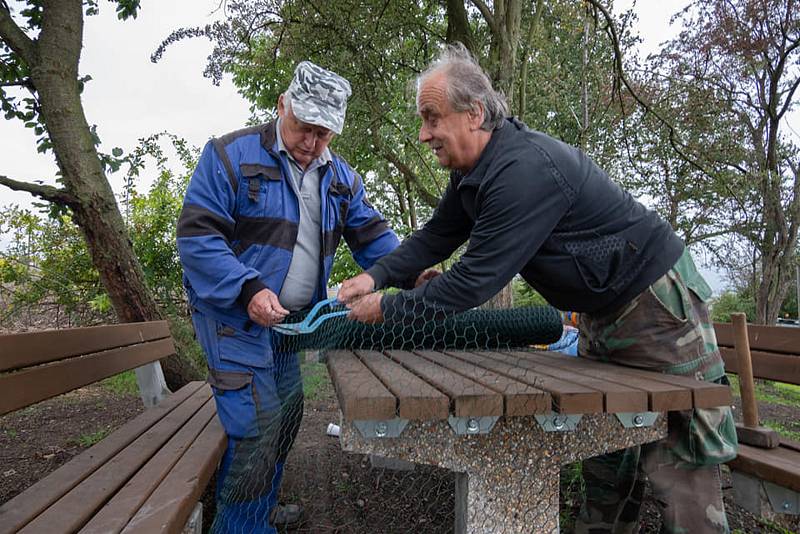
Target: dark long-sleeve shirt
[[539, 207]]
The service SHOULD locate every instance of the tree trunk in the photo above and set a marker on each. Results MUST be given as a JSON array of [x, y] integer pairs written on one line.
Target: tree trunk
[[54, 74]]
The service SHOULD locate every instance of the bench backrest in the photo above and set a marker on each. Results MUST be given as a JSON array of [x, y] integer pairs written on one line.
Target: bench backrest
[[775, 351], [35, 366]]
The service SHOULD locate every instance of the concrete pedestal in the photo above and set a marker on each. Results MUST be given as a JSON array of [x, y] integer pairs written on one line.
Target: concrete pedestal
[[507, 479]]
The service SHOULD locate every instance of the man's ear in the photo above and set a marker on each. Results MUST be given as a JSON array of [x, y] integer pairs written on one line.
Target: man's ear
[[281, 106], [476, 115]]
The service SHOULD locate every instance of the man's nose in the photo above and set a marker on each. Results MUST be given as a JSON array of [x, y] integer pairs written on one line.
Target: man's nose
[[424, 134], [309, 140]]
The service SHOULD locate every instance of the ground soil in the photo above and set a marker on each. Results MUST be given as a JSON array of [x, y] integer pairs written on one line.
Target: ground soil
[[340, 492]]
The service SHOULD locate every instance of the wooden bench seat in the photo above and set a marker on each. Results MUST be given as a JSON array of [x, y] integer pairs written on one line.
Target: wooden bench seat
[[430, 385], [770, 353], [148, 475]]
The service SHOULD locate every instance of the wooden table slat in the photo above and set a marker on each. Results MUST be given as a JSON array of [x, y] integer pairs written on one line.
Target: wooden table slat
[[362, 396], [617, 397], [116, 513], [34, 348], [661, 397], [416, 398], [568, 397], [520, 398], [23, 508], [75, 508], [468, 397], [159, 513]]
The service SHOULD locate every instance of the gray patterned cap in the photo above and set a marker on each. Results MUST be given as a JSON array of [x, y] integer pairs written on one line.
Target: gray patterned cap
[[319, 96]]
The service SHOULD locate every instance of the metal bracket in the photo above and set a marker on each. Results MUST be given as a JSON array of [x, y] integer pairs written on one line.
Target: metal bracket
[[472, 425], [783, 500], [637, 419], [391, 428], [558, 422]]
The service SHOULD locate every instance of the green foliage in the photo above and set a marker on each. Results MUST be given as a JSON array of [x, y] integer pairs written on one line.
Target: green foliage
[[87, 440], [525, 295], [180, 326], [316, 382], [732, 302]]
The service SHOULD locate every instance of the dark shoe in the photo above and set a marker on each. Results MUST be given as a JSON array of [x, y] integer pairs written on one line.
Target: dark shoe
[[286, 514]]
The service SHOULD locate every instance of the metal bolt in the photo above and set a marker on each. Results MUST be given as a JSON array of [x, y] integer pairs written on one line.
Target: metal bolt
[[472, 426], [638, 420], [558, 422], [786, 505], [381, 429]]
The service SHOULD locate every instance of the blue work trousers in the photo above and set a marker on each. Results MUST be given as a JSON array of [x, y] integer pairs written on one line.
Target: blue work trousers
[[259, 396]]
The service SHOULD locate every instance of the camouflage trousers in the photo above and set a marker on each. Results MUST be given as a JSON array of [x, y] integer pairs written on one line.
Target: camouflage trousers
[[666, 328]]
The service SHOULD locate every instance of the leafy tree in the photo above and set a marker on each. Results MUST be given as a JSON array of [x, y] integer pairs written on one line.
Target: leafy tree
[[40, 53]]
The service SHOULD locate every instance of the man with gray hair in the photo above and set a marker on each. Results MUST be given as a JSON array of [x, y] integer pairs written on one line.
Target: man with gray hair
[[263, 215], [527, 203]]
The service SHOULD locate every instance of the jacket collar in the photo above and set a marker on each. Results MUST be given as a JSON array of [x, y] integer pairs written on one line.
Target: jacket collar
[[476, 175]]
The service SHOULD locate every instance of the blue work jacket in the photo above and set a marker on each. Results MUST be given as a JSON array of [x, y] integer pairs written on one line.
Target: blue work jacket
[[239, 222]]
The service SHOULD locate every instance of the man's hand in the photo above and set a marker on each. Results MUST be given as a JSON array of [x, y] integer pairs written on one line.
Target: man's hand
[[356, 287], [425, 276], [367, 309], [265, 309]]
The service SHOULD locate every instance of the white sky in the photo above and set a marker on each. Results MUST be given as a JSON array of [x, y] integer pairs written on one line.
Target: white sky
[[129, 97]]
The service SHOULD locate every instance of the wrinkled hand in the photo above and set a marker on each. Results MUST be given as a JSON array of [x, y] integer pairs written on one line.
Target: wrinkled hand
[[367, 309], [356, 287], [265, 309], [426, 276]]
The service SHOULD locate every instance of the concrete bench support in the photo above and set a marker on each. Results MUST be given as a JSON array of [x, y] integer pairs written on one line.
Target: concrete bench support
[[506, 480]]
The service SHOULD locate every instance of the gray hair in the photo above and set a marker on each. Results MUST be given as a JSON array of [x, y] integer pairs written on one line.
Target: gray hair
[[467, 83]]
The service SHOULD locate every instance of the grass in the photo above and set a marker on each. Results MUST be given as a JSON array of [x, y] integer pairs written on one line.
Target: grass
[[87, 440], [782, 429], [316, 382], [771, 392], [121, 384], [572, 491]]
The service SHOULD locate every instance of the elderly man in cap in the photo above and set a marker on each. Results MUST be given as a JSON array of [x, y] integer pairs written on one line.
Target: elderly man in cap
[[261, 221]]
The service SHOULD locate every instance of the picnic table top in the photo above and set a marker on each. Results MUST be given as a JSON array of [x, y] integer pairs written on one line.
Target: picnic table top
[[434, 385]]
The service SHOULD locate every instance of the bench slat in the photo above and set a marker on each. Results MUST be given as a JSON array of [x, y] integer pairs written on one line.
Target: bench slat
[[75, 508], [417, 399], [661, 397], [766, 365], [185, 483], [20, 510], [22, 388], [34, 348], [780, 466], [361, 394], [115, 514], [520, 398], [617, 397], [567, 397], [704, 394], [468, 397], [762, 337]]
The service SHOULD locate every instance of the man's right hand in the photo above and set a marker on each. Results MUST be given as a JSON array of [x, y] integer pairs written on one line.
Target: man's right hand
[[356, 287], [265, 309]]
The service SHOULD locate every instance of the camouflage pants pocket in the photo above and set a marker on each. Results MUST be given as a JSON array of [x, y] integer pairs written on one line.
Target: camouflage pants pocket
[[706, 436]]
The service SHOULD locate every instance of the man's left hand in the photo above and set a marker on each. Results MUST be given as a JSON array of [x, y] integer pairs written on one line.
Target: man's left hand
[[367, 309]]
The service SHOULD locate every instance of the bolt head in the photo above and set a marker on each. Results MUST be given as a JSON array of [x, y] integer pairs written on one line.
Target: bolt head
[[381, 429], [473, 426], [638, 420], [558, 422]]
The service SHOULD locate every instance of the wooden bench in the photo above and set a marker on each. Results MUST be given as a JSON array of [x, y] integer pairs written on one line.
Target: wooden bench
[[504, 421], [148, 475], [767, 465]]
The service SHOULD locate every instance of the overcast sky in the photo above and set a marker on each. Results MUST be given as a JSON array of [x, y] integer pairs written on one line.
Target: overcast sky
[[129, 97]]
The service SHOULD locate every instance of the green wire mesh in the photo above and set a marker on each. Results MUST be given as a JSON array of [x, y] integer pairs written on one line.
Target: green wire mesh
[[428, 328]]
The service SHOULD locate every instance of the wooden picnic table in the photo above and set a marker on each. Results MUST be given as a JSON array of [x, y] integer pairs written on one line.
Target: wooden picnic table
[[503, 421]]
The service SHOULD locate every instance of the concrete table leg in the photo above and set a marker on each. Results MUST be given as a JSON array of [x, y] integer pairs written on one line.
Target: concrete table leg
[[507, 479], [522, 502]]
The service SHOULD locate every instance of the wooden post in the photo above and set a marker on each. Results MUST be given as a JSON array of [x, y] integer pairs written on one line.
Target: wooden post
[[746, 383], [751, 433]]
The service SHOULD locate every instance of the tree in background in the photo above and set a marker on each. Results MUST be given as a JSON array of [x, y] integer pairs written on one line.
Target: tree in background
[[40, 53]]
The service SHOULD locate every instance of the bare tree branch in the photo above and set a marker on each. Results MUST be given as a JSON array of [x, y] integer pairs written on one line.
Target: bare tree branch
[[487, 14], [46, 192], [15, 38]]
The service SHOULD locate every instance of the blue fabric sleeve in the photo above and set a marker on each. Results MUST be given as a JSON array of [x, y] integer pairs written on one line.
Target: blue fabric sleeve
[[205, 234]]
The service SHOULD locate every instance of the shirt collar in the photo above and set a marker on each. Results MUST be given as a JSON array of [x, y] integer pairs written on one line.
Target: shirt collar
[[323, 158]]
